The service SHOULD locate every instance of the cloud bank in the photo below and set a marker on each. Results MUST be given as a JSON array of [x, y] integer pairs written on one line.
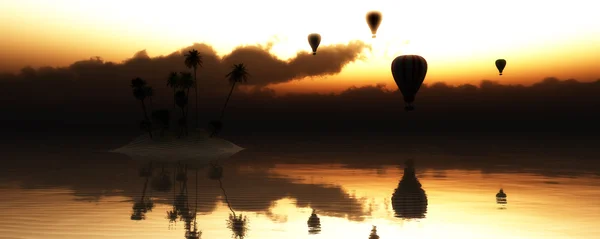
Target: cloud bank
[[97, 92]]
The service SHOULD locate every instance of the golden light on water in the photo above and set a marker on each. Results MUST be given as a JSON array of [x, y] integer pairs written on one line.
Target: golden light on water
[[461, 205]]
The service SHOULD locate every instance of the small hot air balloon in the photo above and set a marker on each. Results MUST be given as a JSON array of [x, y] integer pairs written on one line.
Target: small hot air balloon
[[409, 73], [374, 19], [500, 64], [314, 39]]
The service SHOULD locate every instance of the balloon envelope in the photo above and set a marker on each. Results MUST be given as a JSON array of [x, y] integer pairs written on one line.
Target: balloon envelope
[[409, 73], [314, 39], [500, 64], [374, 20]]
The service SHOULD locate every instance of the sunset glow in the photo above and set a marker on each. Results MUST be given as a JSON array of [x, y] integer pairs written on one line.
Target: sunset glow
[[460, 39]]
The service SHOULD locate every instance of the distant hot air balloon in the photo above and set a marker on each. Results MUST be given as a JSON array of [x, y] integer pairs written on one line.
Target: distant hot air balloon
[[500, 64], [314, 39], [374, 19], [409, 73]]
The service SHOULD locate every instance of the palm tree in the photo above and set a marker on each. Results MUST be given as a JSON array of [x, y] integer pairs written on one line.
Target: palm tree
[[149, 93], [173, 83], [140, 92], [238, 74], [182, 101], [185, 83], [193, 59], [163, 116]]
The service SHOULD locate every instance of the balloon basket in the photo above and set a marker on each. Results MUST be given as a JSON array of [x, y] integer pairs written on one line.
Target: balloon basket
[[314, 53]]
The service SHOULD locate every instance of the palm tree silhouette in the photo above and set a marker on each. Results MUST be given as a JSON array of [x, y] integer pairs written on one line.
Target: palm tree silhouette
[[140, 92], [239, 74], [193, 60], [163, 116], [185, 83], [149, 94], [182, 101], [173, 83]]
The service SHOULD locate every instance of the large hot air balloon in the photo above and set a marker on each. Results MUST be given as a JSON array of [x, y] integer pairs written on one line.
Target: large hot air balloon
[[314, 39], [374, 19], [409, 73], [500, 64]]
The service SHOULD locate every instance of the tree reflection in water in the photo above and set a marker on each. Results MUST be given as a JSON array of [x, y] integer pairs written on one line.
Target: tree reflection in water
[[144, 205], [238, 224]]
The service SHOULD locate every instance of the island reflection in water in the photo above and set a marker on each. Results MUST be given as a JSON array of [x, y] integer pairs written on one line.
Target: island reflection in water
[[104, 196]]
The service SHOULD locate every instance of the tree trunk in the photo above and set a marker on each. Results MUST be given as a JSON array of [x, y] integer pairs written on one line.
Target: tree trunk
[[196, 88], [182, 127], [226, 101], [144, 190], [174, 101], [187, 107], [144, 109], [146, 117]]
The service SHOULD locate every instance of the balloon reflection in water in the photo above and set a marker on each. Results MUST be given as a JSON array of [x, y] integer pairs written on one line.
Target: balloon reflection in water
[[373, 234], [501, 199], [409, 200], [314, 223]]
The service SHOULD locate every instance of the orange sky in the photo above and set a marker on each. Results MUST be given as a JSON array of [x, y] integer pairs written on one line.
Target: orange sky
[[460, 39]]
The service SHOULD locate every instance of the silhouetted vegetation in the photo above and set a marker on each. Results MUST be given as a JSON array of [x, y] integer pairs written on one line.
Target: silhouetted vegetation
[[163, 117], [181, 84], [194, 60], [238, 74], [141, 91]]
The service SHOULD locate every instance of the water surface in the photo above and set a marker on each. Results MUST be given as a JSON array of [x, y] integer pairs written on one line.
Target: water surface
[[73, 195]]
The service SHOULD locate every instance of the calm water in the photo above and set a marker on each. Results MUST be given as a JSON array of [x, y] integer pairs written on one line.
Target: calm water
[[92, 195]]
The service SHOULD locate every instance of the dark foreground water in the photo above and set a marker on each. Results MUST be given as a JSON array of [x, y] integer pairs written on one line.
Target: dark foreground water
[[48, 192]]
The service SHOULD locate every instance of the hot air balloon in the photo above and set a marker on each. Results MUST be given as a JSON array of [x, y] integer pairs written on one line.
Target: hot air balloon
[[409, 73], [314, 39], [374, 19], [500, 64]]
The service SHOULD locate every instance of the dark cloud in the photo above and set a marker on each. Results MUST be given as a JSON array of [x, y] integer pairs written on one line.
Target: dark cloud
[[97, 92]]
